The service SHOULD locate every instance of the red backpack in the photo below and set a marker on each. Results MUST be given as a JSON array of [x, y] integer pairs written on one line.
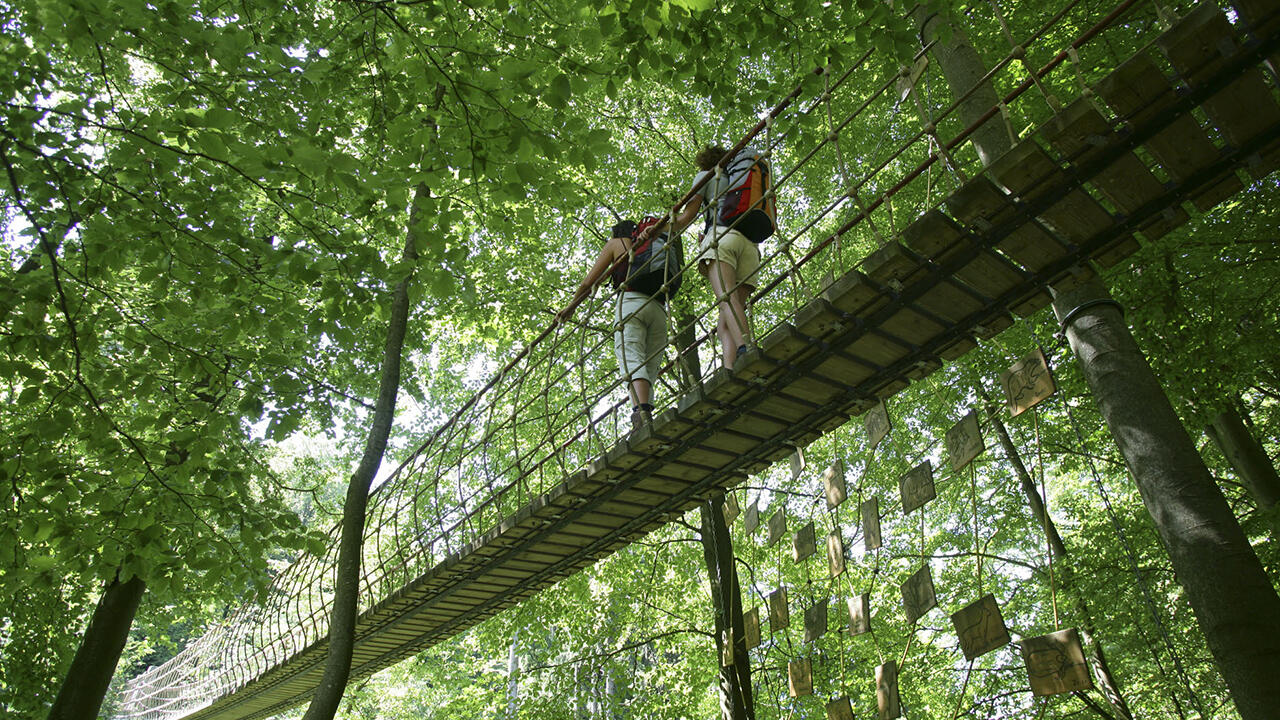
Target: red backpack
[[749, 206]]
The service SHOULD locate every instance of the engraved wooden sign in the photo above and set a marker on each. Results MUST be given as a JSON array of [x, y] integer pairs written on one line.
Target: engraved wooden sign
[[1027, 383], [877, 424], [917, 594], [860, 614], [797, 463], [751, 520], [980, 627], [731, 510], [751, 628], [815, 621], [964, 441], [777, 526], [779, 615], [870, 511], [835, 553], [1055, 663], [800, 677], [833, 480], [805, 543], [916, 486], [887, 691], [840, 709]]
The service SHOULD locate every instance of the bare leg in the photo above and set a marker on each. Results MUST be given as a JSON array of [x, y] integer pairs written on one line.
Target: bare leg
[[641, 390], [731, 326]]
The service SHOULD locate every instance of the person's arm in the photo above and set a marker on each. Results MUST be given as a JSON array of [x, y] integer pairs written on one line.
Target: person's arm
[[610, 254], [682, 221]]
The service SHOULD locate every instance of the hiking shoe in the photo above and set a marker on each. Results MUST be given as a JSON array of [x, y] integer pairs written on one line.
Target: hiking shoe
[[640, 417]]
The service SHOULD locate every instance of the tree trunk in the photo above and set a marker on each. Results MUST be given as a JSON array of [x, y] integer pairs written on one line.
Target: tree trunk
[[342, 622], [1232, 597], [513, 677], [1246, 455], [81, 694], [726, 601], [1106, 679], [963, 69]]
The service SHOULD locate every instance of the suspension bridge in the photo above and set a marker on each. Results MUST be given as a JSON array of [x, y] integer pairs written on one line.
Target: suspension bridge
[[538, 475]]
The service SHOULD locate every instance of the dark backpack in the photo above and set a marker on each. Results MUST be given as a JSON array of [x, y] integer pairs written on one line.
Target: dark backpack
[[749, 205], [652, 264]]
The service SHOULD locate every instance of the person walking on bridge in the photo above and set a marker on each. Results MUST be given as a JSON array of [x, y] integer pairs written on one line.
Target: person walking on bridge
[[734, 193], [645, 274]]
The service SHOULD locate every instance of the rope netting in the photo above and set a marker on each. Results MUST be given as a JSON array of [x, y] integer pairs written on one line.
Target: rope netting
[[852, 168]]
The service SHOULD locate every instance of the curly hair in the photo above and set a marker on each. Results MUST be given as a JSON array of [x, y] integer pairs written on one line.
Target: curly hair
[[708, 156]]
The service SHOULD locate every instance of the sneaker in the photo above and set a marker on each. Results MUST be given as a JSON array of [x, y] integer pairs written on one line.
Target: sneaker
[[640, 417]]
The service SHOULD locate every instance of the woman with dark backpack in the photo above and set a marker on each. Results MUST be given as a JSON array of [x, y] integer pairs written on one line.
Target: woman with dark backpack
[[645, 273]]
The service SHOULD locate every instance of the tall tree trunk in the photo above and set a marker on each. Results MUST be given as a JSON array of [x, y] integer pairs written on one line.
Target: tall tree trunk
[[1106, 679], [963, 69], [342, 622], [726, 601], [513, 677], [1246, 455], [1232, 597], [82, 691]]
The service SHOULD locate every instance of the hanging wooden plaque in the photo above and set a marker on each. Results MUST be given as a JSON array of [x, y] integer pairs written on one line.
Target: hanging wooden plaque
[[751, 519], [964, 441], [1027, 383], [916, 486], [731, 510], [1055, 663], [835, 553], [797, 463], [871, 523], [887, 691], [805, 543], [833, 479], [751, 628], [815, 621], [840, 709], [877, 424], [800, 677], [860, 614], [779, 614], [777, 526], [980, 627], [917, 594]]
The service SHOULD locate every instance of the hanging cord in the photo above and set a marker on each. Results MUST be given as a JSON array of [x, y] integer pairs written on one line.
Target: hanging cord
[[1020, 53], [1130, 553], [930, 128]]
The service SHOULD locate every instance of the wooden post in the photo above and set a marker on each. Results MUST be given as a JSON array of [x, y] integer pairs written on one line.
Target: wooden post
[[736, 701], [1229, 592]]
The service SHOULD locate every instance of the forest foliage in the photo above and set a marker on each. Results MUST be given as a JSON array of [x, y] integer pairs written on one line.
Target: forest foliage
[[204, 207]]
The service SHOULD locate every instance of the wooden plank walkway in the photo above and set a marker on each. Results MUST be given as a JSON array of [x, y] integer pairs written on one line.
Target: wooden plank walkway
[[1078, 192]]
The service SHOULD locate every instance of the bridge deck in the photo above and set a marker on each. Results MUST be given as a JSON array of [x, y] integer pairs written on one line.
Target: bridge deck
[[1077, 192]]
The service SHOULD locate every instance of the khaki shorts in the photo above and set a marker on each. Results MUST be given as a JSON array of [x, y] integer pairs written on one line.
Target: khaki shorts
[[733, 248]]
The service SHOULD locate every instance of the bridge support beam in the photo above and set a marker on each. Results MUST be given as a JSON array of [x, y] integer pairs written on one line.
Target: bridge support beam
[[1232, 598], [736, 701]]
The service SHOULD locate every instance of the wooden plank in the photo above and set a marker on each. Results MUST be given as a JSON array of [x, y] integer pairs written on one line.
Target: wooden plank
[[1137, 89], [1197, 47], [1029, 173], [936, 237], [1080, 134]]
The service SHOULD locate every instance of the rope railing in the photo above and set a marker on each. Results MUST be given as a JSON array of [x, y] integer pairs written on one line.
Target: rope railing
[[558, 403]]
